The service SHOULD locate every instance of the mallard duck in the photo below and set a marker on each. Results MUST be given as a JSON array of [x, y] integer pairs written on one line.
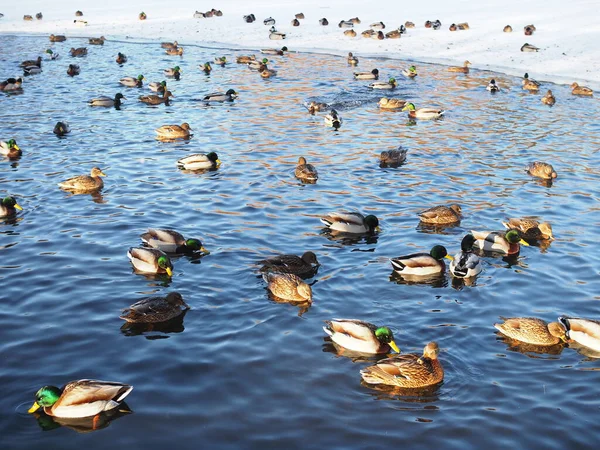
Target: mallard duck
[[82, 398], [206, 68], [391, 84], [150, 260], [354, 20], [359, 336], [276, 35], [407, 371], [97, 41], [529, 48], [295, 23], [80, 23], [175, 51], [306, 172], [155, 309], [121, 58], [173, 44], [132, 82], [287, 286], [463, 26], [372, 75], [391, 103], [411, 72], [333, 119], [10, 149], [422, 263], [323, 22], [581, 90], [408, 24], [107, 101], [394, 34], [436, 25], [170, 241], [78, 52], [492, 86], [143, 16], [156, 99], [249, 18], [463, 69], [58, 38], [267, 73], [532, 331], [32, 70], [27, 17], [441, 214], [228, 96], [583, 331], [453, 27], [351, 222], [352, 60], [422, 113], [465, 263], [78, 13], [32, 62], [299, 16], [158, 87], [53, 56], [345, 24], [84, 183], [274, 51], [350, 33], [378, 26], [529, 29], [530, 228], [199, 161], [257, 65], [61, 128], [549, 98], [541, 170], [245, 59], [393, 157], [269, 21], [499, 241], [174, 131], [221, 60], [11, 84], [529, 83], [9, 207], [314, 107], [175, 72], [507, 29], [73, 70], [291, 264]]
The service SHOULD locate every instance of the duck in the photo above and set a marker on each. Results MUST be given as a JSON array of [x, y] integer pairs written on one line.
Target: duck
[[257, 65], [463, 26], [436, 25], [529, 48], [199, 161], [121, 58], [9, 207], [174, 131], [150, 260], [155, 309], [377, 26], [73, 70], [393, 157], [267, 73], [306, 172], [422, 113], [441, 214], [269, 21], [407, 371], [10, 149], [391, 103], [287, 286], [107, 101], [314, 107], [220, 60], [78, 13], [57, 38], [352, 60], [585, 332], [61, 128], [249, 18], [82, 398], [354, 20], [274, 51], [32, 62], [422, 264], [84, 183], [350, 33], [378, 35], [499, 241], [143, 16], [372, 75], [97, 41], [175, 72], [532, 330], [78, 52], [323, 22], [507, 29], [394, 34], [80, 23], [492, 86], [32, 70], [158, 87], [581, 90], [529, 29], [132, 82], [549, 98], [530, 229], [409, 24], [390, 84], [346, 24], [173, 44], [299, 16], [411, 72], [245, 59], [172, 242], [11, 84], [228, 96], [297, 265], [351, 222], [276, 35], [466, 264], [206, 68], [359, 336], [541, 169], [453, 27], [295, 23], [53, 56], [333, 119], [174, 51], [156, 99], [529, 83], [463, 69], [27, 17]]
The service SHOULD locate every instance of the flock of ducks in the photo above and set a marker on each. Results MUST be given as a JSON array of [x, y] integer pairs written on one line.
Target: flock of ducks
[[285, 274]]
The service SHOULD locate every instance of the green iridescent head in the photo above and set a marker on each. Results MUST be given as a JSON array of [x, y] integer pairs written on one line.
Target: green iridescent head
[[438, 252], [176, 68], [10, 202], [409, 107], [372, 223], [165, 263], [12, 144], [140, 77], [467, 243], [513, 236], [265, 60], [45, 398], [385, 336]]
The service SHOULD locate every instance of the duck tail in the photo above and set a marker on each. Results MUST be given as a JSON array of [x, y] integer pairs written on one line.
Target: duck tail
[[327, 328], [325, 221], [397, 264]]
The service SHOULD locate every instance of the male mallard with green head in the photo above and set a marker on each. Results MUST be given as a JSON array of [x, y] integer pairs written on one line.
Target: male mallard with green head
[[199, 161], [499, 241], [107, 101], [132, 81], [360, 336], [10, 149], [9, 207], [172, 242], [422, 264], [351, 222], [585, 332], [465, 263], [150, 260], [422, 113]]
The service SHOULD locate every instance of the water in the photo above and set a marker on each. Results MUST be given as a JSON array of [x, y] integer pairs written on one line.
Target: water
[[241, 371]]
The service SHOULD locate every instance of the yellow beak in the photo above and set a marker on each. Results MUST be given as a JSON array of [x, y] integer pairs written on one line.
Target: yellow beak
[[378, 229], [169, 271], [202, 249], [33, 408], [16, 147], [449, 257], [394, 347], [218, 162], [522, 242], [102, 174], [17, 206]]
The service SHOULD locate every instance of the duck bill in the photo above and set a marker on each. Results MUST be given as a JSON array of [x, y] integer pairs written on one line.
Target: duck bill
[[522, 242], [169, 271], [449, 257], [17, 206], [218, 162], [394, 347], [203, 249], [102, 174], [16, 147], [33, 408], [378, 229]]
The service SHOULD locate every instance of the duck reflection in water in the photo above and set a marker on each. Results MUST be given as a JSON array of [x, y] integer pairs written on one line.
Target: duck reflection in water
[[358, 357], [435, 280], [407, 395], [530, 350], [82, 424]]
